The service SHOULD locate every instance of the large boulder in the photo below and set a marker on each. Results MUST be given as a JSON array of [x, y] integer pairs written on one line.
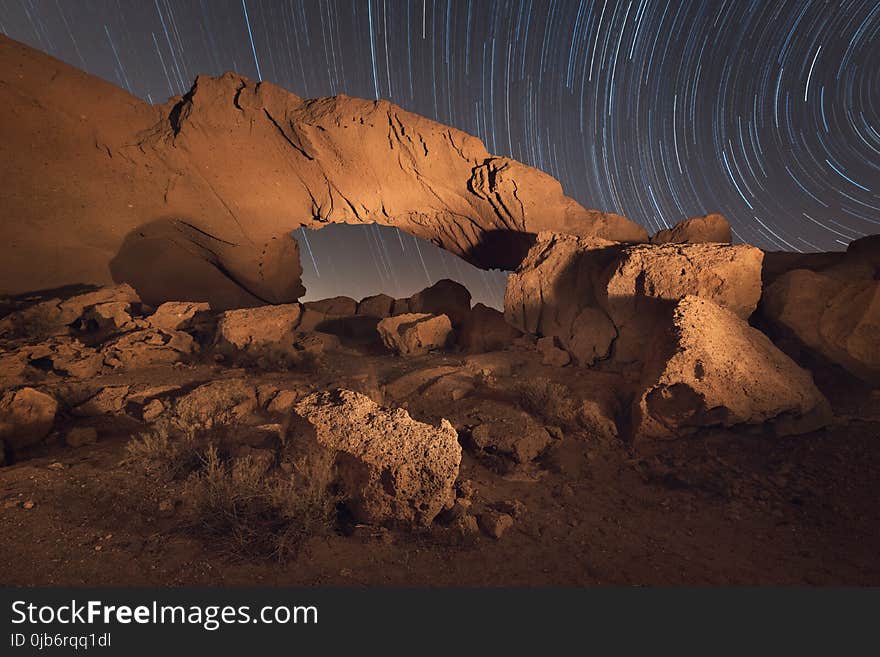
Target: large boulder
[[485, 329], [834, 311], [388, 467], [26, 417], [591, 294], [256, 331], [552, 294], [445, 297], [637, 289], [709, 368], [697, 230], [415, 334], [324, 311]]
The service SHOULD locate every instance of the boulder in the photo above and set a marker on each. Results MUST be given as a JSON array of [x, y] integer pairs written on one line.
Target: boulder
[[834, 311], [177, 315], [596, 420], [552, 294], [509, 432], [589, 293], [152, 410], [387, 466], [226, 401], [415, 334], [107, 401], [256, 331], [317, 313], [643, 282], [485, 329], [333, 307], [697, 230], [108, 317], [147, 348], [711, 369], [54, 316], [445, 297], [379, 306], [26, 417]]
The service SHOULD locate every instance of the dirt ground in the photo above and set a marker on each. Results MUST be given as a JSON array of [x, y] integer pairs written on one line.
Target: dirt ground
[[713, 509]]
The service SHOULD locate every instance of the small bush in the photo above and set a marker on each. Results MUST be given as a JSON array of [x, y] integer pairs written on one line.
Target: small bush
[[252, 512], [247, 507], [163, 453], [548, 400]]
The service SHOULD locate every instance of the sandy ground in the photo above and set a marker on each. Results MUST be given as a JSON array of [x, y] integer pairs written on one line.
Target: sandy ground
[[714, 509]]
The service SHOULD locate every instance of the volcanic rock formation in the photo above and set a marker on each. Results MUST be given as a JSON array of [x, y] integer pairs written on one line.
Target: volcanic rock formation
[[196, 199]]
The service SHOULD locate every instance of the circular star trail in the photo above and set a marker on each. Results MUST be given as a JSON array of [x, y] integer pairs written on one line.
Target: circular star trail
[[767, 111]]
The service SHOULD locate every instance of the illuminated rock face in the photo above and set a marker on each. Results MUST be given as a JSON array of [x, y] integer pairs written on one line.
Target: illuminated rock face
[[196, 199], [600, 299], [833, 310], [387, 467], [710, 368]]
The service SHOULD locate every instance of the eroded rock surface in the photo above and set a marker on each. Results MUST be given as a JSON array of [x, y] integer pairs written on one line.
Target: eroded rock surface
[[835, 310], [600, 299], [388, 467], [697, 230], [714, 370], [212, 221]]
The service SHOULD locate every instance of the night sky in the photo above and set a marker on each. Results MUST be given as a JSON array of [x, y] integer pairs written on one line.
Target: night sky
[[767, 111]]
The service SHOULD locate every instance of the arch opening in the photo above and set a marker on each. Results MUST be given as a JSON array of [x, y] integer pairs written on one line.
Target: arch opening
[[360, 260]]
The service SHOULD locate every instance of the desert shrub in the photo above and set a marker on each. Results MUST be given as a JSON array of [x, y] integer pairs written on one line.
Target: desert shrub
[[245, 506], [163, 453], [548, 400], [252, 512]]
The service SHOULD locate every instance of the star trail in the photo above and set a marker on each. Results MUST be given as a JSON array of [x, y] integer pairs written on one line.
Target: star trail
[[766, 111]]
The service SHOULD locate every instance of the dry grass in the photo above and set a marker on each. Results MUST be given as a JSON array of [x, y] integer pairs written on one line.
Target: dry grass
[[254, 513], [246, 507], [164, 454], [548, 400]]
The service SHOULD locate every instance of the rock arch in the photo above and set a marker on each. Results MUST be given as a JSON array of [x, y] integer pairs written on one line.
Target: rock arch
[[224, 174]]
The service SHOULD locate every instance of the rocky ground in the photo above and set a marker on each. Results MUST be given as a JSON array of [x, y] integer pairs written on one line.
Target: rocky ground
[[181, 446]]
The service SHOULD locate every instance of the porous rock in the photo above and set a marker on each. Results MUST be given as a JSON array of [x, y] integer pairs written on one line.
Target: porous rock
[[226, 401], [712, 369], [388, 467]]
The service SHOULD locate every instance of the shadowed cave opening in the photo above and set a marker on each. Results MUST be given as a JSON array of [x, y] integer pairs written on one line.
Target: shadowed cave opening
[[359, 260]]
